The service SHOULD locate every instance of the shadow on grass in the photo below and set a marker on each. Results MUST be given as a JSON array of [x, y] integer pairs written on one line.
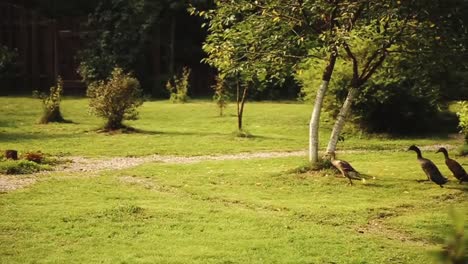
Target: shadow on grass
[[131, 130], [64, 121], [461, 187], [23, 136], [376, 185]]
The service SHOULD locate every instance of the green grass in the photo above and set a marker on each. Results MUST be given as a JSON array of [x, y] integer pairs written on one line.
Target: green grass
[[243, 211], [178, 129], [21, 167], [252, 211], [463, 150]]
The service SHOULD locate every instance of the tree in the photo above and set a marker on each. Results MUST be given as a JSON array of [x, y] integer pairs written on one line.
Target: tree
[[117, 31], [384, 28], [271, 37], [260, 40]]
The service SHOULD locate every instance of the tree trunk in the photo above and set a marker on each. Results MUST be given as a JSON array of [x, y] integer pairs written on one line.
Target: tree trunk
[[11, 154], [52, 115], [240, 105], [172, 47], [315, 121], [340, 121], [315, 117], [114, 123]]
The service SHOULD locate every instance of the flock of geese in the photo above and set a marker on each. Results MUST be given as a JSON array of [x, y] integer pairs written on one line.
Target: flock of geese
[[430, 169]]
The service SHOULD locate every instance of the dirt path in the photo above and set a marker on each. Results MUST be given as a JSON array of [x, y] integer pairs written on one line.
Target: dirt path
[[96, 165]]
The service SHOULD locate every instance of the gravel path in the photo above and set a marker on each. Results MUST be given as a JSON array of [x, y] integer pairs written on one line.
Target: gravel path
[[13, 182], [79, 164], [95, 165]]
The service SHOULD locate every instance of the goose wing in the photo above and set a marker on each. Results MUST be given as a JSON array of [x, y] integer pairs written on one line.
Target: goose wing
[[346, 166], [432, 171], [346, 169], [457, 170]]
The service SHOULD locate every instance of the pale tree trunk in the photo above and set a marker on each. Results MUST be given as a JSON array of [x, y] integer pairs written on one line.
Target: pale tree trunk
[[315, 117], [340, 121], [314, 122]]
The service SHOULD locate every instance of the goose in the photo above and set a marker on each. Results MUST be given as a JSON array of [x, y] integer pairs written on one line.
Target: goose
[[345, 168], [454, 166], [431, 170]]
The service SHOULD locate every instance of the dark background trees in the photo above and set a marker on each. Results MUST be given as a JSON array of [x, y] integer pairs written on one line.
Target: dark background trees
[[150, 38]]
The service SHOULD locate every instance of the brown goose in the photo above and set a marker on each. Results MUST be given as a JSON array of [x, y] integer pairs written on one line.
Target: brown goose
[[345, 168], [431, 170], [454, 167]]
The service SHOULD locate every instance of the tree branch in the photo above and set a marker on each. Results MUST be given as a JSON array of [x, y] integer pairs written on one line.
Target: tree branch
[[355, 63]]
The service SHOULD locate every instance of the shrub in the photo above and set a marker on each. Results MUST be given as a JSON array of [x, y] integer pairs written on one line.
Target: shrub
[[455, 249], [29, 162], [51, 103], [116, 99], [36, 157], [21, 167], [323, 165], [178, 86], [221, 94], [463, 117]]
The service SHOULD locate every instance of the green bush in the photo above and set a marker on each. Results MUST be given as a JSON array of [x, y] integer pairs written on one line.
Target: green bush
[[323, 165], [178, 86], [221, 94], [116, 99], [51, 103], [462, 114], [21, 167], [455, 249]]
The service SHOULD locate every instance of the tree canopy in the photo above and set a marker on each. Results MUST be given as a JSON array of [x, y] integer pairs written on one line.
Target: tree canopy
[[269, 39]]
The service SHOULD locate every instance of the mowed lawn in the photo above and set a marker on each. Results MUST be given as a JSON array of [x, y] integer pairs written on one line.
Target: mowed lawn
[[178, 129], [243, 211]]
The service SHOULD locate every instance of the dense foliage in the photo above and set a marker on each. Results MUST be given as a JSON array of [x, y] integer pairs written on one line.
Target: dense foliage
[[118, 30], [266, 40], [400, 98], [463, 116], [115, 99]]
